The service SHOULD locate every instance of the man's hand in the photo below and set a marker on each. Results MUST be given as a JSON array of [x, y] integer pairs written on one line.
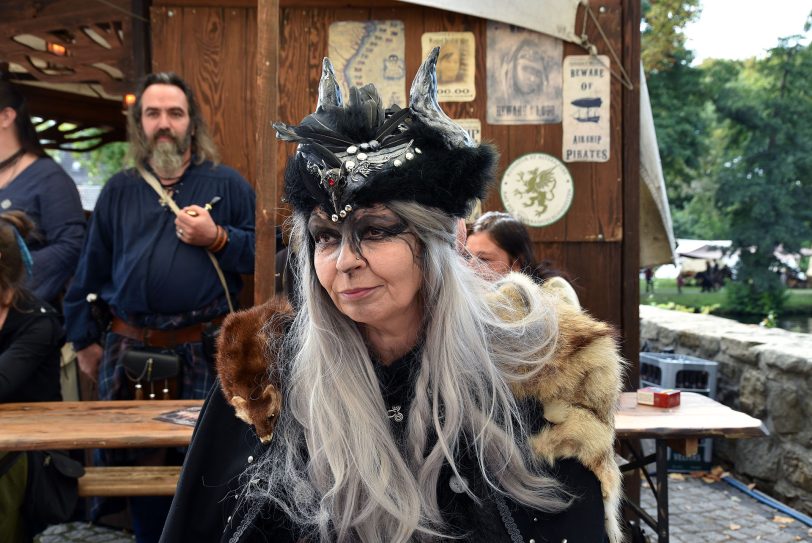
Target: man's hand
[[89, 359], [195, 226]]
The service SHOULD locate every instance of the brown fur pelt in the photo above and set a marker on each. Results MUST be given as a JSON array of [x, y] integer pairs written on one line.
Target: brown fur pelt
[[248, 375], [579, 387]]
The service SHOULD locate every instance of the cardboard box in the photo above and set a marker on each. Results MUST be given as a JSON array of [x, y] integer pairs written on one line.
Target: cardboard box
[[658, 397]]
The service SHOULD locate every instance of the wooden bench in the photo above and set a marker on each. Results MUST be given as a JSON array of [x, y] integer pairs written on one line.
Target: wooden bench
[[129, 481]]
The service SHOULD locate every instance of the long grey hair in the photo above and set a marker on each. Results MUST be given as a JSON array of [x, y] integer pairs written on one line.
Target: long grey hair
[[334, 467]]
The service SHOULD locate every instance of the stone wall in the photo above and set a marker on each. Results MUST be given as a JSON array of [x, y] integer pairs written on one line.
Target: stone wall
[[766, 373]]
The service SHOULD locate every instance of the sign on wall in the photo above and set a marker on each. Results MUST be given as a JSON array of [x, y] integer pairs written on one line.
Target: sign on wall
[[587, 83], [473, 127], [455, 65], [524, 76], [370, 52], [537, 189]]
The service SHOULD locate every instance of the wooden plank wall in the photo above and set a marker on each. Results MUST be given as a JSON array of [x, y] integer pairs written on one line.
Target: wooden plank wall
[[587, 242], [215, 49]]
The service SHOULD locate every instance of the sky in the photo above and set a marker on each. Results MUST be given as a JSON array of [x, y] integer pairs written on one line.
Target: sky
[[737, 29]]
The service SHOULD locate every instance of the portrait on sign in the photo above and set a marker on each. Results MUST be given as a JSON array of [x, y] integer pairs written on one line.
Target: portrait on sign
[[455, 65], [524, 76]]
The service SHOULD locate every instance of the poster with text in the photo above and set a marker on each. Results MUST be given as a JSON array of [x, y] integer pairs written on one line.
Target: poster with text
[[370, 52], [524, 76], [587, 91], [455, 64], [473, 127]]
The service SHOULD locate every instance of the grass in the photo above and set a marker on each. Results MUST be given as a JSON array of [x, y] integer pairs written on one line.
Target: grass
[[799, 301]]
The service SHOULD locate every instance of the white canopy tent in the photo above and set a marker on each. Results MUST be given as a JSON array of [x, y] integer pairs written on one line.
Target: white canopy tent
[[558, 18]]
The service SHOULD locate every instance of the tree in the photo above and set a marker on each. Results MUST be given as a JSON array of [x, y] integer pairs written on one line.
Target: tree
[[681, 116], [765, 176]]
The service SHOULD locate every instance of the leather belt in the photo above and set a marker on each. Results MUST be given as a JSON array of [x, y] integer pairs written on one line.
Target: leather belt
[[152, 337]]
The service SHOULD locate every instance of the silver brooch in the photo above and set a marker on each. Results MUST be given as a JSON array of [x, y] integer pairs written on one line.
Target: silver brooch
[[395, 414]]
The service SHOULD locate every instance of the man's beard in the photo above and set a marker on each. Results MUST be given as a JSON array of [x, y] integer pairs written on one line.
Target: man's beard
[[166, 156]]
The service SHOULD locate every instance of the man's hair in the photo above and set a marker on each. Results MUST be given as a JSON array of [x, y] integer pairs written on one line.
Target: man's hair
[[10, 96], [203, 148]]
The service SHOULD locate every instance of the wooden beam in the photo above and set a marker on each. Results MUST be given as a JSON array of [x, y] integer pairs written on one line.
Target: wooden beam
[[630, 259], [266, 107], [631, 191], [75, 108]]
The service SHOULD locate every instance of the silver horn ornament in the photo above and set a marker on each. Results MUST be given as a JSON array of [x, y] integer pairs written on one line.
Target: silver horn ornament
[[423, 103]]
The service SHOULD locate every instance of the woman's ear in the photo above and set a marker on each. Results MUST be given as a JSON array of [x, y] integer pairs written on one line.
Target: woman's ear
[[7, 117]]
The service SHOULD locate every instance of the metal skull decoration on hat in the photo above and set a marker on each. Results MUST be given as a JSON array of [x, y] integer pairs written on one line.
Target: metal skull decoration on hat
[[358, 154]]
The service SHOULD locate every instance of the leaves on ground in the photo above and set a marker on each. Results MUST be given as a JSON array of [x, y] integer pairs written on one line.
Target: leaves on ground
[[779, 519]]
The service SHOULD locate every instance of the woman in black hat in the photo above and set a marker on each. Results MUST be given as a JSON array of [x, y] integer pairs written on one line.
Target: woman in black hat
[[407, 399]]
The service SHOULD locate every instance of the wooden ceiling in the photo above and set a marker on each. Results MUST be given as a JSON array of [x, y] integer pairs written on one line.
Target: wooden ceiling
[[74, 60]]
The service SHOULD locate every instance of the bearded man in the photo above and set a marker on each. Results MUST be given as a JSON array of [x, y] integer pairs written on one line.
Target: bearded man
[[152, 267]]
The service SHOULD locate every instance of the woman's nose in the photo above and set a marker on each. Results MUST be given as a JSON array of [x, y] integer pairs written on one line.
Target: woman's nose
[[348, 258]]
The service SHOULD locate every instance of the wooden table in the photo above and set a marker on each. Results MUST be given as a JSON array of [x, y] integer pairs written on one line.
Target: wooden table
[[680, 428], [87, 425], [103, 425]]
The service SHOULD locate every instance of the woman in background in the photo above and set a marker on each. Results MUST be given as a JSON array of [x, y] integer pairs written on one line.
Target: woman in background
[[31, 182], [502, 243], [30, 340]]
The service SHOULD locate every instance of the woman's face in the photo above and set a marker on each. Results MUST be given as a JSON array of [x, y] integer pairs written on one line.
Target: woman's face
[[482, 246], [379, 285]]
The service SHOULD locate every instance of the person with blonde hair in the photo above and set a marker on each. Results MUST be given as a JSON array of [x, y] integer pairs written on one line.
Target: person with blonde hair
[[403, 400]]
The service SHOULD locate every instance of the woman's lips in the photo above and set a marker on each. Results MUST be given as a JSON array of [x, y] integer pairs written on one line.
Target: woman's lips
[[356, 293]]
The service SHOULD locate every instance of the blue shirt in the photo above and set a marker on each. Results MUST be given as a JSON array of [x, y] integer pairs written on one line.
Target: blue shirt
[[48, 195], [134, 261]]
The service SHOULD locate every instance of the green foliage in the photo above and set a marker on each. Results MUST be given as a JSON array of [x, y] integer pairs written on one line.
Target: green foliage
[[704, 310], [103, 162], [766, 176], [662, 38], [735, 141]]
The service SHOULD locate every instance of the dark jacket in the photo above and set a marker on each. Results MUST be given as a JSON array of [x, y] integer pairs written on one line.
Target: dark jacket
[[204, 508], [30, 347]]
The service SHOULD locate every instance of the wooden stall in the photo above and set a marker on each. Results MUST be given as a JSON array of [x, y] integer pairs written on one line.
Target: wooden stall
[[254, 63]]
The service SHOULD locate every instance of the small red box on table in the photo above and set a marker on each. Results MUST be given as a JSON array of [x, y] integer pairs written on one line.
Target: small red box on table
[[658, 397]]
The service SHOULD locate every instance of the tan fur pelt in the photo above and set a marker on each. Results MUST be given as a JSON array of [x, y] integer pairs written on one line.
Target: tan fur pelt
[[579, 388], [247, 373]]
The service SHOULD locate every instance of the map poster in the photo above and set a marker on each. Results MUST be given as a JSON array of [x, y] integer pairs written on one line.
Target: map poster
[[473, 127], [587, 84], [537, 189], [455, 65], [370, 52], [524, 76]]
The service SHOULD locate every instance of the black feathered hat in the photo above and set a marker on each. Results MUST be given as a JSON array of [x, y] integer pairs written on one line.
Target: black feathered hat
[[358, 155]]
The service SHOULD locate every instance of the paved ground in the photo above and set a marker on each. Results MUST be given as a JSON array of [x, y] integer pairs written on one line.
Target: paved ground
[[701, 512], [704, 512]]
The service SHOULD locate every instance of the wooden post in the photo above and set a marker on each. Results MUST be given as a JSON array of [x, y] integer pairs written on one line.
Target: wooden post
[[630, 263], [266, 157]]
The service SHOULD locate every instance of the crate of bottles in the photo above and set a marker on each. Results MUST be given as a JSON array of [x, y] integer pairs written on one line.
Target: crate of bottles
[[689, 374]]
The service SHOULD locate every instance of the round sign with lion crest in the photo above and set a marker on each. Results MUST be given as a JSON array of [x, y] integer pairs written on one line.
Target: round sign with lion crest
[[537, 189]]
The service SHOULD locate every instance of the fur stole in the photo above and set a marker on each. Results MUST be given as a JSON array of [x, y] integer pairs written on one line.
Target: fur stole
[[579, 387]]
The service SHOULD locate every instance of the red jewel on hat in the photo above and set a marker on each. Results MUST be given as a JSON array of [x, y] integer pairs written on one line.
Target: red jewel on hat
[[331, 181]]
